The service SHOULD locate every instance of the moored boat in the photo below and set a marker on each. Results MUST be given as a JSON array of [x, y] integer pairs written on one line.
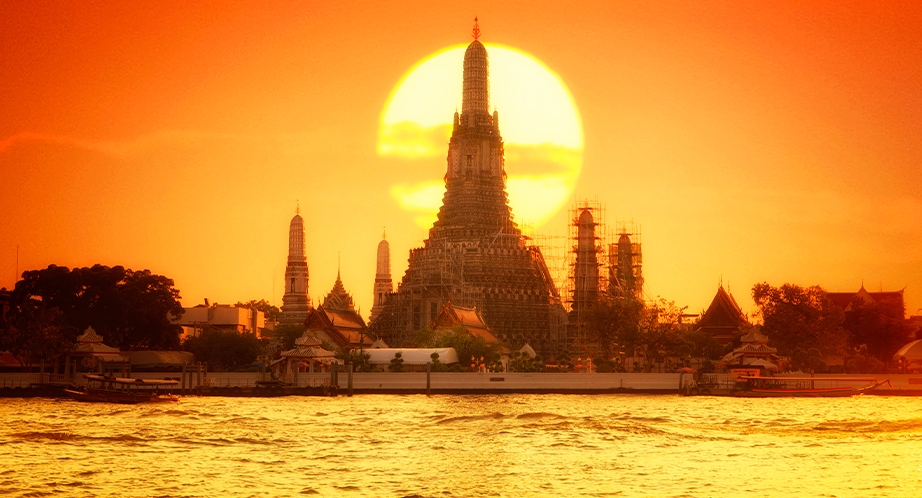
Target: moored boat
[[755, 386], [123, 390]]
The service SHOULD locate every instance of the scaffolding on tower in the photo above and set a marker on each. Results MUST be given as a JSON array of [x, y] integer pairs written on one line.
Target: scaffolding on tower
[[588, 280], [625, 262]]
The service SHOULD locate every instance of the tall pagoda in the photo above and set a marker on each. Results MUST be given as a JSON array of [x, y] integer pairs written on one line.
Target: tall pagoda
[[476, 255], [295, 302]]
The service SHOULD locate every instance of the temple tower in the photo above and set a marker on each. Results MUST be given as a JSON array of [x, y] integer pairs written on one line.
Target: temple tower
[[586, 282], [626, 265], [475, 255], [295, 301], [383, 283]]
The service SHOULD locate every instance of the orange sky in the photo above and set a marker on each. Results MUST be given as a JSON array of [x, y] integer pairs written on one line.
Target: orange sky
[[751, 141]]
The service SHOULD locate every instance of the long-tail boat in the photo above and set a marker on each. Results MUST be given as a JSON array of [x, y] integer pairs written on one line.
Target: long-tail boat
[[754, 386], [104, 389]]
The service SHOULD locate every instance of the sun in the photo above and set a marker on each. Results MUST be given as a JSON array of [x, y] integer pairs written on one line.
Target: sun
[[538, 120]]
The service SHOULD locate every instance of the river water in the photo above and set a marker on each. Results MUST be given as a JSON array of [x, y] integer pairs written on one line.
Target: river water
[[456, 446]]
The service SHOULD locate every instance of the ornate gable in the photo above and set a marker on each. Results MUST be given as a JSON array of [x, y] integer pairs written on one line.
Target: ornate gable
[[344, 328], [338, 298], [451, 316], [723, 319]]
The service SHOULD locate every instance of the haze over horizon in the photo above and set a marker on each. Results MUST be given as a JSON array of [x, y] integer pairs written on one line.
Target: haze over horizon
[[751, 142]]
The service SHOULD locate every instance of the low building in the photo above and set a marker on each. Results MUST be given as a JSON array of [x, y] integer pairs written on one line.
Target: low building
[[307, 356], [754, 356], [222, 317]]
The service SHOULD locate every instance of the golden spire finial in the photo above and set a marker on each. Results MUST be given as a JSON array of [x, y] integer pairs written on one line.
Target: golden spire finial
[[385, 233], [476, 32], [298, 208]]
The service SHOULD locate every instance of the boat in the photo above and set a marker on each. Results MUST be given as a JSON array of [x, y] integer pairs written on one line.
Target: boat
[[100, 388], [755, 386]]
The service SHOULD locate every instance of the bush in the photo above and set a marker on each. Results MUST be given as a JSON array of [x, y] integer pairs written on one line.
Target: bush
[[397, 362]]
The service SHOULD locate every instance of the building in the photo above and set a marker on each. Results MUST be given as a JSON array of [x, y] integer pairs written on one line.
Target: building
[[383, 283], [337, 322], [475, 254], [308, 356], [222, 317], [469, 319], [295, 301], [723, 320], [754, 356], [846, 300]]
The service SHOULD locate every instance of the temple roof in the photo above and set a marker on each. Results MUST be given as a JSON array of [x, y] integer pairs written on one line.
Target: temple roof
[[722, 313], [338, 298], [451, 316], [345, 328], [90, 343], [754, 336], [844, 299], [307, 352], [308, 338], [89, 336]]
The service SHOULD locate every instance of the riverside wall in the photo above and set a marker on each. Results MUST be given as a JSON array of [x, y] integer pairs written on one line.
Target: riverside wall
[[245, 383]]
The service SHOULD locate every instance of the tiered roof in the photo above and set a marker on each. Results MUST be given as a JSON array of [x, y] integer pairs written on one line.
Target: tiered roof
[[844, 300], [754, 351], [308, 346], [451, 316], [344, 328], [338, 298], [723, 319], [90, 344]]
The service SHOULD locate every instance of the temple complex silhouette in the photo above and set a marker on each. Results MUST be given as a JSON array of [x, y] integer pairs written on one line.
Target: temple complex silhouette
[[476, 255]]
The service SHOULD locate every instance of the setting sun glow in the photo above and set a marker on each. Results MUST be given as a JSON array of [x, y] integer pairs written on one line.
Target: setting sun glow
[[538, 119]]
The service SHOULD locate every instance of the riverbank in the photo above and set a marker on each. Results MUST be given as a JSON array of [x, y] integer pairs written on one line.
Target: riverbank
[[244, 384]]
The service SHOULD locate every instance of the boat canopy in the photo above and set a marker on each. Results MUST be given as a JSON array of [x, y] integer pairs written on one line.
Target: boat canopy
[[134, 382]]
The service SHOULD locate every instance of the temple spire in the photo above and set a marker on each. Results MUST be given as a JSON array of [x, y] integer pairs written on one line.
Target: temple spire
[[475, 98]]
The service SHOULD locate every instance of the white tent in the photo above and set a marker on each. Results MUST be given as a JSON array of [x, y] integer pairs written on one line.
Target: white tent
[[912, 351], [412, 356]]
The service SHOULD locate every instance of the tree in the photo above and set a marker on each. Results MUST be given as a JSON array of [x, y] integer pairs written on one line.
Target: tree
[[436, 365], [131, 309], [224, 350], [397, 362], [357, 357], [656, 336], [521, 362], [469, 348], [800, 317], [702, 345], [37, 333], [611, 321], [287, 334], [564, 363], [880, 326]]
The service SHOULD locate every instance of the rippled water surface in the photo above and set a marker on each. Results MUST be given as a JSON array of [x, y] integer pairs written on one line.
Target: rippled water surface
[[452, 446]]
